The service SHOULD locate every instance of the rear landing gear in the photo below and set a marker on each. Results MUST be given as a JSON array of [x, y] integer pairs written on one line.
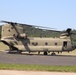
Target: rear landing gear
[[13, 51]]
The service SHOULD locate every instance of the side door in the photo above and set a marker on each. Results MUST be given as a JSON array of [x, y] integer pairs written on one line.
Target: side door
[[64, 45]]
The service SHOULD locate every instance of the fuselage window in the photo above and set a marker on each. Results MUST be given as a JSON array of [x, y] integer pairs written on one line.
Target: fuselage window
[[34, 43], [46, 43], [9, 30], [13, 34], [55, 44]]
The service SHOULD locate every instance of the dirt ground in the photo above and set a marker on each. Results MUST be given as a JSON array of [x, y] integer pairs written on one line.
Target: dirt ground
[[10, 72]]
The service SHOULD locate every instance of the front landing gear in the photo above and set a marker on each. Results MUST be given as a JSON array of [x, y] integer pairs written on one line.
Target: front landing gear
[[45, 53], [53, 54]]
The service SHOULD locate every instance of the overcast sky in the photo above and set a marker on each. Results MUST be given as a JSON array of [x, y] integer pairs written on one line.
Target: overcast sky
[[59, 14]]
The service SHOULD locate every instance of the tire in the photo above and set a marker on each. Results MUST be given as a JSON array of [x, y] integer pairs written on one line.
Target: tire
[[45, 53]]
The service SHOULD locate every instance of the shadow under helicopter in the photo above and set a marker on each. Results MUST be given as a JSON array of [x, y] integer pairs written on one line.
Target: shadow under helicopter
[[35, 54]]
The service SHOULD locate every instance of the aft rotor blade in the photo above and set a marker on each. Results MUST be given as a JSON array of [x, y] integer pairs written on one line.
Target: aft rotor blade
[[6, 22], [27, 25], [40, 27], [11, 23]]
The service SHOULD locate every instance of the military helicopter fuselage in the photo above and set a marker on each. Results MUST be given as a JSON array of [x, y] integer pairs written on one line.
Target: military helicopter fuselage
[[14, 36]]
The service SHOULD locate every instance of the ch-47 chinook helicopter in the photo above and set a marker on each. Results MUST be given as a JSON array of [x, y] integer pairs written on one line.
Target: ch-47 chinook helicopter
[[14, 36]]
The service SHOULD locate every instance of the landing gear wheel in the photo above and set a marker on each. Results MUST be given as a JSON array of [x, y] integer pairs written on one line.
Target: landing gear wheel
[[53, 54], [45, 53], [38, 52]]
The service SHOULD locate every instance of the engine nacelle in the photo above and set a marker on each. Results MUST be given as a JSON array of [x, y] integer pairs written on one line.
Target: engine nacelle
[[22, 36]]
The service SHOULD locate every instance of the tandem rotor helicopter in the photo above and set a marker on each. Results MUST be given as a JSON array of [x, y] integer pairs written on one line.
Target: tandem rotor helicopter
[[13, 35]]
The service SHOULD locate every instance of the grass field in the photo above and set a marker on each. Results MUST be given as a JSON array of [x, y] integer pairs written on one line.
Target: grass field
[[37, 68]]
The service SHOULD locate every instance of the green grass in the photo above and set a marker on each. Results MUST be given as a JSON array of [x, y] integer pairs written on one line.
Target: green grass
[[37, 68]]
